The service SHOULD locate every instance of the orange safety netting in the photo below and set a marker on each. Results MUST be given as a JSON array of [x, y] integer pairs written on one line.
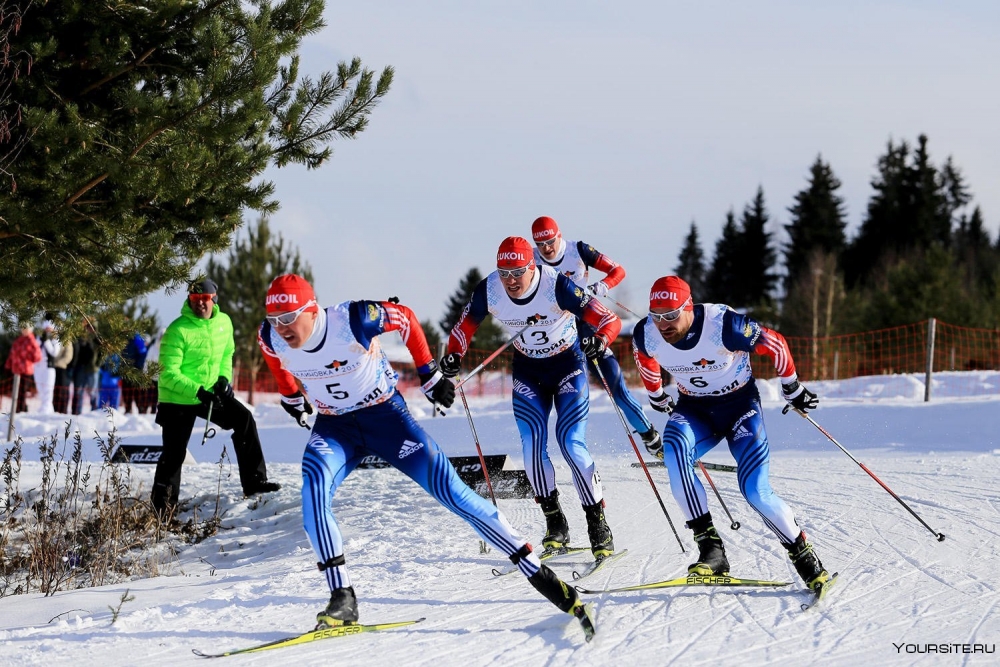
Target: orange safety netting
[[896, 350]]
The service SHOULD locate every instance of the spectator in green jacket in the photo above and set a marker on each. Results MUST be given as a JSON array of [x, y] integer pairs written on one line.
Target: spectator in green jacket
[[196, 364]]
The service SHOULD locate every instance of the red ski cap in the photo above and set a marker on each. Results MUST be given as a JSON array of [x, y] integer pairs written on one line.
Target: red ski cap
[[515, 252], [290, 292], [544, 229], [670, 293]]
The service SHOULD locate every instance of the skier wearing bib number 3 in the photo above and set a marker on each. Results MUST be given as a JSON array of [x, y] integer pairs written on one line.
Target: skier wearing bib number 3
[[707, 349], [334, 354], [548, 369]]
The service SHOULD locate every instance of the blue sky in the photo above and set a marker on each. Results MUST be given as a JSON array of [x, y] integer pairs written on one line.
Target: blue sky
[[625, 122]]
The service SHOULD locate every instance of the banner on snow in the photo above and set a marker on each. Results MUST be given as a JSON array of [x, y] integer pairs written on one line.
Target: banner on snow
[[507, 481]]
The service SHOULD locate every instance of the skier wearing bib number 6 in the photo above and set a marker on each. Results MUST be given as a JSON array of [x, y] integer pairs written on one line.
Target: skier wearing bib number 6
[[707, 347], [548, 369], [334, 355]]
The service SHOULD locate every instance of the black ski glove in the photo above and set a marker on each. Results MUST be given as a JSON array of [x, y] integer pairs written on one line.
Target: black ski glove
[[799, 397], [207, 398], [450, 364], [436, 387], [223, 389], [298, 407], [662, 402], [593, 347]]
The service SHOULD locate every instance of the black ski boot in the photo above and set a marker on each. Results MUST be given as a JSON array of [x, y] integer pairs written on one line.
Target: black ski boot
[[711, 553], [556, 526], [807, 563], [653, 442], [554, 589], [602, 542], [341, 610]]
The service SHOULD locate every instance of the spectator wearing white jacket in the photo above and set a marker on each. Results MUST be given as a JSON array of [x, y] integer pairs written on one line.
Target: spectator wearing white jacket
[[45, 372]]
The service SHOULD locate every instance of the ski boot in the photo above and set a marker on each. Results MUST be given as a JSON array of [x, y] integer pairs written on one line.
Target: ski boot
[[556, 526], [653, 442], [807, 563], [341, 610], [602, 542], [555, 590], [712, 559]]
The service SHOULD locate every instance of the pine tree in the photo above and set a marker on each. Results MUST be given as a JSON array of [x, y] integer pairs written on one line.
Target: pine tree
[[913, 207], [489, 336], [817, 221], [691, 264], [974, 253], [721, 283], [250, 266], [756, 260], [150, 126]]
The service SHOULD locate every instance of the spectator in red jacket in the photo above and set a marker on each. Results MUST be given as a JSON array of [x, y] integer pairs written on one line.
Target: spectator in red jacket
[[24, 354]]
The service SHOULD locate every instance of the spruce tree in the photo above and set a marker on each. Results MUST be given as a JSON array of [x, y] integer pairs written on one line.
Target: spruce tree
[[756, 260], [243, 278], [914, 207], [150, 126], [691, 264], [721, 283], [818, 221], [974, 253]]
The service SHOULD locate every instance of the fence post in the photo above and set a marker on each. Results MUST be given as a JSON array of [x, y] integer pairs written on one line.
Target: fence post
[[15, 388], [836, 363], [930, 359]]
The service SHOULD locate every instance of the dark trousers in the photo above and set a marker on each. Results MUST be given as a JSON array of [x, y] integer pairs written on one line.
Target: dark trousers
[[178, 422], [27, 382], [145, 399], [60, 395]]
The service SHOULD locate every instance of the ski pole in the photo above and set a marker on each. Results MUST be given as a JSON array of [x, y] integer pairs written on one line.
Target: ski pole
[[531, 320], [649, 477], [621, 305], [940, 536], [479, 450], [735, 525], [209, 432], [482, 460]]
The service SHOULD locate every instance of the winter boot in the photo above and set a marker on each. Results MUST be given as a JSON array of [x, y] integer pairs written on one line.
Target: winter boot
[[261, 486], [556, 526], [555, 590], [807, 563], [711, 553], [164, 501], [341, 610], [602, 542]]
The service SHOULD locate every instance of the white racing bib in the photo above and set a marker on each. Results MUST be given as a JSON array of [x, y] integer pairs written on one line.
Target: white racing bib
[[555, 330], [709, 368]]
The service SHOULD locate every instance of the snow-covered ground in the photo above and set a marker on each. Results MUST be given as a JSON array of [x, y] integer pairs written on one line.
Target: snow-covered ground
[[900, 592]]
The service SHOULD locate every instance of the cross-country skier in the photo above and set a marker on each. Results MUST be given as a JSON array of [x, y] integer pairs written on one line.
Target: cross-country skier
[[332, 357], [707, 349], [574, 260], [548, 369]]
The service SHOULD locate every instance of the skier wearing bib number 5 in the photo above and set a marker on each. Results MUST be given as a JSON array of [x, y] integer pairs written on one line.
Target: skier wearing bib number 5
[[334, 355], [706, 347], [548, 369]]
